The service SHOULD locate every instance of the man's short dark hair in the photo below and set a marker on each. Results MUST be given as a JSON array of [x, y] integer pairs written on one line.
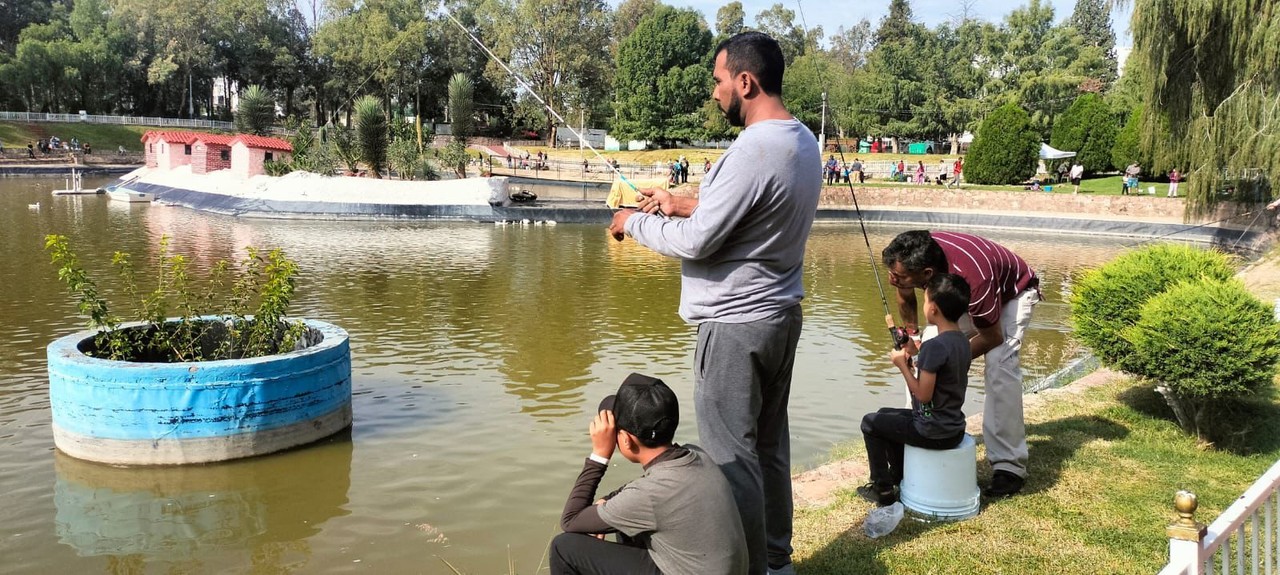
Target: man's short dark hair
[[950, 293], [757, 53], [646, 408], [916, 250]]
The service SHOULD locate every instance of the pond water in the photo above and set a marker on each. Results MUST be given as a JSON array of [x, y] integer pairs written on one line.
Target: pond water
[[478, 351]]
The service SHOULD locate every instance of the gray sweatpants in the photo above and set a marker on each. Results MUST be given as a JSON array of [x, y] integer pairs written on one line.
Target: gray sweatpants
[[742, 385]]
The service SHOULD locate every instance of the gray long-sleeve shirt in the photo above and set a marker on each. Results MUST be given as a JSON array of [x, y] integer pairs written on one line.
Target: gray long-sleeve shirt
[[743, 246]]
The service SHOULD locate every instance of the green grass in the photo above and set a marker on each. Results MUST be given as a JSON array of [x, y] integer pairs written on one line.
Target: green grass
[[103, 137], [1104, 466]]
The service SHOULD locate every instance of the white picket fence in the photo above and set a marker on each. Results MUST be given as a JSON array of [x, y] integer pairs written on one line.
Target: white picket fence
[[1245, 539], [128, 120]]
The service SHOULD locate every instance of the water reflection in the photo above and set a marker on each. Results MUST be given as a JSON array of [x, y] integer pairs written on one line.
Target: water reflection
[[258, 507]]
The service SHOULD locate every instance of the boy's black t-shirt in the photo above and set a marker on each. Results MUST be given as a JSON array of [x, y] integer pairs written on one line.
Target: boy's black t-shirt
[[947, 355]]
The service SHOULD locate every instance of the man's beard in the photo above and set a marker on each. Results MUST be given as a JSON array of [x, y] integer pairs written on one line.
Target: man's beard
[[734, 112]]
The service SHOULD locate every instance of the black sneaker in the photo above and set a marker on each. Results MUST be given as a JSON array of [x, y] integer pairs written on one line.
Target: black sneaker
[[875, 494], [1003, 484]]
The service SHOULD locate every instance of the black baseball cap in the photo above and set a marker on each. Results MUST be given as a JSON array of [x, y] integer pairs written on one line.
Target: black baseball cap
[[646, 408]]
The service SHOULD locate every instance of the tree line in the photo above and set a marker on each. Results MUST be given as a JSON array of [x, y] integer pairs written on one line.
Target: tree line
[[643, 70]]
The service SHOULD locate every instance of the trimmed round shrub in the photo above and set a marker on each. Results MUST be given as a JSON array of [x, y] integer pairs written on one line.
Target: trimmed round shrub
[[1089, 129], [1106, 301], [1206, 342], [1005, 150]]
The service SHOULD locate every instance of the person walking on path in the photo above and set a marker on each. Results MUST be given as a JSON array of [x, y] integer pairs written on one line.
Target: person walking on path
[[1131, 174], [1077, 172], [957, 167], [1174, 178], [742, 242], [1003, 291], [919, 172]]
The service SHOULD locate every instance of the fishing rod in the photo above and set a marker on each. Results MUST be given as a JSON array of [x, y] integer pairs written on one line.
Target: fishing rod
[[532, 92], [898, 334]]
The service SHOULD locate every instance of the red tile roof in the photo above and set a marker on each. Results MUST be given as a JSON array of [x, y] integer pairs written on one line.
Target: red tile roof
[[171, 137], [253, 141], [215, 139]]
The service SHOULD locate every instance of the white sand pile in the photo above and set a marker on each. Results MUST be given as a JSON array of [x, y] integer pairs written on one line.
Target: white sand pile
[[309, 187]]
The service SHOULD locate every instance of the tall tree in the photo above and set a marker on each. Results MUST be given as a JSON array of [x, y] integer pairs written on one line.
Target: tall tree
[[1215, 87], [892, 90], [1092, 19], [730, 20], [850, 46], [780, 23], [670, 50], [628, 16], [1005, 149], [570, 71], [1088, 128]]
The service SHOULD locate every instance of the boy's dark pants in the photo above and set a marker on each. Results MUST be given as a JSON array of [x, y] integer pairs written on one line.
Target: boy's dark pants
[[579, 553], [885, 432]]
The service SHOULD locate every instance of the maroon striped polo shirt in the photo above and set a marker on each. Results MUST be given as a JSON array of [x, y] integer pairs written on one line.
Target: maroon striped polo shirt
[[995, 274]]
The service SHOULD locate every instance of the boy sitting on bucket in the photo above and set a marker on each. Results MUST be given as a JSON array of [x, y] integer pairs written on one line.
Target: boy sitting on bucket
[[935, 420], [678, 517]]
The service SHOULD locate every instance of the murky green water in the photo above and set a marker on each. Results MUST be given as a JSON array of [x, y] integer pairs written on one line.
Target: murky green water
[[478, 353]]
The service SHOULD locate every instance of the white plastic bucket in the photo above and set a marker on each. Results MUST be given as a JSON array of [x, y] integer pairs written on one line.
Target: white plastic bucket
[[941, 485]]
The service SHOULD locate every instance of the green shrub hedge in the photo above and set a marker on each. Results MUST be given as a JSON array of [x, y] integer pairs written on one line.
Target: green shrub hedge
[[1204, 341], [1005, 149], [1107, 300]]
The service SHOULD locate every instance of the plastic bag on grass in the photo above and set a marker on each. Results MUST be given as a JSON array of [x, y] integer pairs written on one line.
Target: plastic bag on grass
[[882, 520]]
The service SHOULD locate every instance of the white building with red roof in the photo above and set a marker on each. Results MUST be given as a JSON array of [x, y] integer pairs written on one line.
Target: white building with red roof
[[249, 153]]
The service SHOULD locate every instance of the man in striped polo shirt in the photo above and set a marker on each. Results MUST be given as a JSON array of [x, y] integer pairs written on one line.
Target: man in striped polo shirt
[[1003, 290]]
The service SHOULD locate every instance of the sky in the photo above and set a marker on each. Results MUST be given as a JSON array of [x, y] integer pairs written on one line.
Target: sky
[[831, 14]]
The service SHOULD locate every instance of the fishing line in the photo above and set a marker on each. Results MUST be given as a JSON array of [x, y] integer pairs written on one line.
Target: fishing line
[[532, 92], [899, 335]]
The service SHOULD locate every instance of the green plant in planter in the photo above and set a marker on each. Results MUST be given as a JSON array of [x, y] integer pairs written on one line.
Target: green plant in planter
[[233, 333], [1206, 342], [1106, 300]]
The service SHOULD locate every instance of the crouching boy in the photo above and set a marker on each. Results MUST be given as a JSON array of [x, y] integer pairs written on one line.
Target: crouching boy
[[935, 420], [678, 517]]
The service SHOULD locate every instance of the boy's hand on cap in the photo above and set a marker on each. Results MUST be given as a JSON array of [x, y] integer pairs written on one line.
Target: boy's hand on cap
[[604, 434]]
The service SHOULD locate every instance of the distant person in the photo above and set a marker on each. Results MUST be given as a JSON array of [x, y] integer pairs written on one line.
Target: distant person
[[1003, 293], [31, 151], [684, 170], [1077, 173], [1062, 172], [943, 169], [678, 517], [957, 167], [919, 172], [936, 419], [902, 170], [857, 169], [585, 167], [831, 168], [1131, 174], [706, 167], [1174, 178], [120, 150], [87, 148]]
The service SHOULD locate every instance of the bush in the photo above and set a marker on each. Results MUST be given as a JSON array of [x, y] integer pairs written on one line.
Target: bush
[[1126, 149], [266, 277], [371, 134], [1005, 150], [256, 111], [1205, 341], [1089, 129], [1106, 300]]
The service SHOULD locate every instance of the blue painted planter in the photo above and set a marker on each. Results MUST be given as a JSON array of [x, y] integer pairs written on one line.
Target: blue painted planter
[[129, 413]]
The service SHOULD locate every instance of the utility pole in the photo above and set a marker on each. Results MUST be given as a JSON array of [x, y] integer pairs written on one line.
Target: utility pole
[[822, 132]]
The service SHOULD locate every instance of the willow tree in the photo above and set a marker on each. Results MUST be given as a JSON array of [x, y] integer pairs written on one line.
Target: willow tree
[[1215, 92]]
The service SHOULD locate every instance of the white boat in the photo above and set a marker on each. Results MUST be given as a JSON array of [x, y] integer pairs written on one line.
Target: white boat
[[129, 196]]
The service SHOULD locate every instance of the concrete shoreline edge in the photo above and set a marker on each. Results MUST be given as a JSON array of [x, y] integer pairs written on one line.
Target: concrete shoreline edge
[[589, 212]]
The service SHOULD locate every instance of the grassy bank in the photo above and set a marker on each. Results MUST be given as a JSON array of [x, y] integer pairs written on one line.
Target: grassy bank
[[1105, 462], [104, 137]]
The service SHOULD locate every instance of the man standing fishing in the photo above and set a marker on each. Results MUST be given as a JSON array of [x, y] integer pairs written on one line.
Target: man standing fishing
[[742, 243]]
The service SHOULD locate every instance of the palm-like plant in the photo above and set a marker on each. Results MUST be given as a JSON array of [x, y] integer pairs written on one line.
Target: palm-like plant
[[371, 134], [256, 112]]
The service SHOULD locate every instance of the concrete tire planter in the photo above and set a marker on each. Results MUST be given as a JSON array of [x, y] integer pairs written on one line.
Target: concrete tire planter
[[135, 413]]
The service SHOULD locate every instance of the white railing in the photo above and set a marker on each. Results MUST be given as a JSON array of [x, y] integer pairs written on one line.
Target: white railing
[[128, 120], [1245, 539]]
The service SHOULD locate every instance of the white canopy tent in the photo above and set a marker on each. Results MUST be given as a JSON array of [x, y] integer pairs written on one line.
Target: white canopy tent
[[1048, 152]]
